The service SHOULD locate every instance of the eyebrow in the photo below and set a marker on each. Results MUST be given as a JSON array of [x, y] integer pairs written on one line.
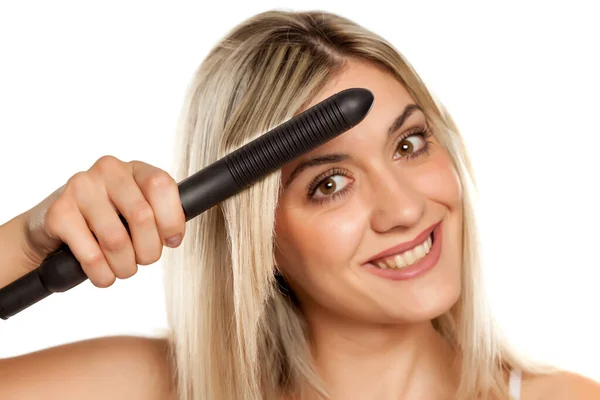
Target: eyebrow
[[338, 157]]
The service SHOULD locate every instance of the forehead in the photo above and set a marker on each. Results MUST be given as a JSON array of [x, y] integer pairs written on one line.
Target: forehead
[[385, 87], [390, 98]]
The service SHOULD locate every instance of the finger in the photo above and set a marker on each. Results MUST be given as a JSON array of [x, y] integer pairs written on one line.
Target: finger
[[103, 220], [65, 222], [162, 192], [125, 194]]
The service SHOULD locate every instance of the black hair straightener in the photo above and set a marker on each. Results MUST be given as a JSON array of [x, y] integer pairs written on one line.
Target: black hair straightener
[[60, 270]]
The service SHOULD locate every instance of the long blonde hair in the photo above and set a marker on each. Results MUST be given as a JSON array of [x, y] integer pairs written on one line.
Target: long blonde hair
[[233, 334]]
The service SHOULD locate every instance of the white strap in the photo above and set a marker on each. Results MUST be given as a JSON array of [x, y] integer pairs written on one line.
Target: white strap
[[514, 385]]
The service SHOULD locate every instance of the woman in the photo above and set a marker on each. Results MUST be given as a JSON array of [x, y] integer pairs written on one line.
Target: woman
[[352, 273]]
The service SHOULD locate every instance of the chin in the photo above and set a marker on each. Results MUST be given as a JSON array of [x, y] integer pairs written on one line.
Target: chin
[[420, 303], [428, 307]]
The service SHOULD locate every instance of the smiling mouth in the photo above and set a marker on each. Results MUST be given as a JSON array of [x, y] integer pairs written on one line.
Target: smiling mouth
[[406, 258]]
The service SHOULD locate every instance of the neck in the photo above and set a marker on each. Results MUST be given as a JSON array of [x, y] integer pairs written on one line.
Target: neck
[[368, 361]]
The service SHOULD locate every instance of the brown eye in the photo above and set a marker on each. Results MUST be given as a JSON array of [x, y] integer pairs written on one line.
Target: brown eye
[[405, 147], [327, 186], [411, 144], [330, 186]]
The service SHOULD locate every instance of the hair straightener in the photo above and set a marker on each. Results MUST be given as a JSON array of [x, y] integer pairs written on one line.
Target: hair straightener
[[60, 270]]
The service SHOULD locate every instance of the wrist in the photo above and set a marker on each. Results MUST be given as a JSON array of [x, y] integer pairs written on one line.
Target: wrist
[[31, 256], [15, 235]]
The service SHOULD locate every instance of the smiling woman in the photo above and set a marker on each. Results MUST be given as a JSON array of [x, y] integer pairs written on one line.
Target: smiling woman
[[351, 273]]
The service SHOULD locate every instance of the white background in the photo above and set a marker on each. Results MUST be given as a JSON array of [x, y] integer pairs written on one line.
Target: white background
[[82, 79]]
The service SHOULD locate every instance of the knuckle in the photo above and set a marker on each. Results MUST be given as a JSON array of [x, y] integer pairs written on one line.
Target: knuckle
[[107, 163], [76, 178], [80, 179], [79, 185], [115, 241], [160, 180], [142, 214], [95, 260]]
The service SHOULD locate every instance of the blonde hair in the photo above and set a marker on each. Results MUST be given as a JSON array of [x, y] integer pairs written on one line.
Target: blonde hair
[[233, 334]]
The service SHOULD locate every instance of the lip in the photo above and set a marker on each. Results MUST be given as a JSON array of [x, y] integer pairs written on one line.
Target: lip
[[417, 269], [402, 247]]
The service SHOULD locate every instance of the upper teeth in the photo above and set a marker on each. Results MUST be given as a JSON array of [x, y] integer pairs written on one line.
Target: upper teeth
[[407, 258]]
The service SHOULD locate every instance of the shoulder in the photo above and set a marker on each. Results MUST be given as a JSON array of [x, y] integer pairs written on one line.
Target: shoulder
[[561, 385], [129, 367]]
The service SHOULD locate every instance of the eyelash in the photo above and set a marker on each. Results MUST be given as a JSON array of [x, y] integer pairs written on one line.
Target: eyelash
[[424, 132]]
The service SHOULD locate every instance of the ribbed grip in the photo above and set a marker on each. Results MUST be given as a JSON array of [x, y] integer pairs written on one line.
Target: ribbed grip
[[297, 136]]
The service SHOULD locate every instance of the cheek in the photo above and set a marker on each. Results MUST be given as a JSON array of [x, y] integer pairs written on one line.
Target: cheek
[[311, 242], [438, 181]]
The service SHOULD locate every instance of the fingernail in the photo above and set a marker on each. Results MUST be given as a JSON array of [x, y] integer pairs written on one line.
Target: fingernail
[[174, 241]]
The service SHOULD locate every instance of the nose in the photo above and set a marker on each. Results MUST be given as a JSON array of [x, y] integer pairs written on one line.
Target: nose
[[395, 201]]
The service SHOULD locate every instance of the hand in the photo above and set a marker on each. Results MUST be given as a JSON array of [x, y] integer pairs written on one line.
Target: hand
[[90, 203]]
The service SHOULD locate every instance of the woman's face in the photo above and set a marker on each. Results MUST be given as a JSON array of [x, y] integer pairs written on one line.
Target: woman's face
[[382, 187]]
